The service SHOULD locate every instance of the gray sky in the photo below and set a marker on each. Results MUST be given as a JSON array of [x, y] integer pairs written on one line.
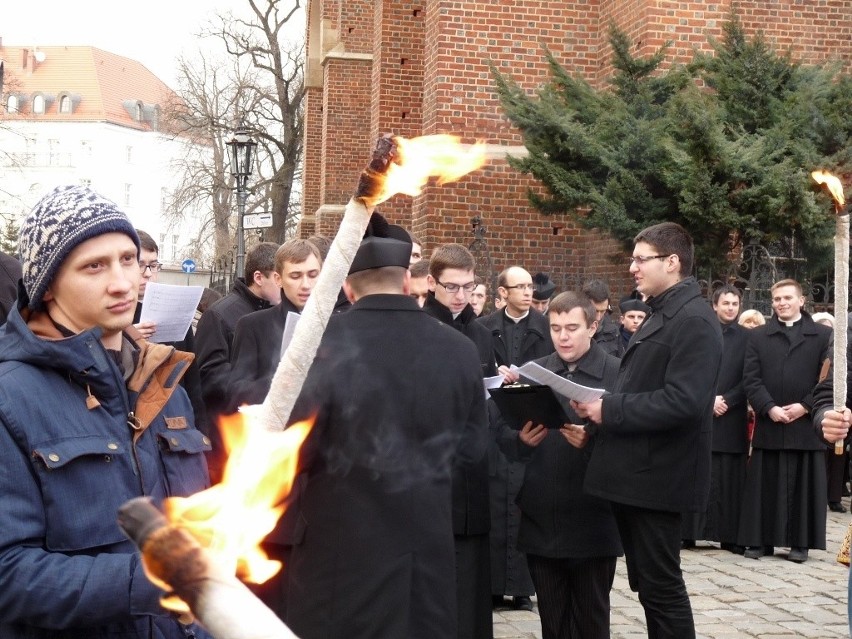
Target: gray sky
[[154, 32]]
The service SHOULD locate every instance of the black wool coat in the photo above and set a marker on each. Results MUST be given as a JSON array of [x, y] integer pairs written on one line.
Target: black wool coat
[[777, 372], [558, 519], [376, 557], [536, 342], [10, 273], [652, 449], [609, 336], [255, 353], [730, 431], [468, 325]]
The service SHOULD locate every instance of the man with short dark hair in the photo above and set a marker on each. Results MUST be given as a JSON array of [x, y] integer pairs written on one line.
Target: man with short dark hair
[[784, 500], [419, 287], [607, 334], [91, 416], [652, 450], [570, 538], [720, 522], [257, 337], [376, 556], [215, 335]]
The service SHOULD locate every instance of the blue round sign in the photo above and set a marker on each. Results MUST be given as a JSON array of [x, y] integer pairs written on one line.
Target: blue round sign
[[188, 266]]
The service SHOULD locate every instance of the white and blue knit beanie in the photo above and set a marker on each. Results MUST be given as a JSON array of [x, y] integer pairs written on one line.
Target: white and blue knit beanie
[[61, 220]]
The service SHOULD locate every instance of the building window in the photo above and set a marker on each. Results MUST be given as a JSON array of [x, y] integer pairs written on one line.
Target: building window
[[85, 182], [139, 112], [129, 154], [38, 104], [164, 200], [12, 104], [52, 152], [65, 104], [128, 190], [175, 239]]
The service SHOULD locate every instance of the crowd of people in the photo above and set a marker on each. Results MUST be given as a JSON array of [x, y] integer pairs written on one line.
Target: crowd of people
[[419, 507]]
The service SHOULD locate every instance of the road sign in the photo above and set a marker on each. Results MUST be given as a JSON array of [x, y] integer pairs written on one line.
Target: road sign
[[257, 221], [188, 266]]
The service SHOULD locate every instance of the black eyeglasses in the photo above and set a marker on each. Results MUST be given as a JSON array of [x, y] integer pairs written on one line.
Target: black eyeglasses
[[522, 287], [639, 259], [154, 266], [454, 288]]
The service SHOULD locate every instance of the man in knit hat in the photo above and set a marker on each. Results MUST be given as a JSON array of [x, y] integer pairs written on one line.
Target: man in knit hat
[[91, 416]]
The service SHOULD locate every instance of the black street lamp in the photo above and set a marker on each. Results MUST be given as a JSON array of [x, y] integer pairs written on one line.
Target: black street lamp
[[242, 159]]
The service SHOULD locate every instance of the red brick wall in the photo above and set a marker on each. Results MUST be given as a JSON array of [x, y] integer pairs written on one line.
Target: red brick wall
[[445, 86]]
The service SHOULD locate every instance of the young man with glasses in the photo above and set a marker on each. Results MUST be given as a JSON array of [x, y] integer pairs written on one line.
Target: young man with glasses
[[451, 280], [149, 271], [651, 458], [519, 333]]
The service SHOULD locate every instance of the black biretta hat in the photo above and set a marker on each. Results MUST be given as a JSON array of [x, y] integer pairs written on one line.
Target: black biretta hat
[[383, 245], [543, 287], [633, 303]]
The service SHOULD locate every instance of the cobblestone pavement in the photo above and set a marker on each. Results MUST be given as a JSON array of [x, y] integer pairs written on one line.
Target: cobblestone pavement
[[733, 597]]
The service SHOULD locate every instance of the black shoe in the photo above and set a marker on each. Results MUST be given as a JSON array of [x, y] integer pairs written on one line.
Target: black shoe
[[756, 552], [522, 603], [497, 601], [687, 543], [799, 555], [836, 507], [737, 550]]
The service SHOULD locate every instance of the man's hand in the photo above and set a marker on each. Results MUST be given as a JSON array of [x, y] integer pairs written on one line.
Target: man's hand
[[532, 435], [778, 414], [146, 328], [509, 376], [575, 435], [794, 411], [720, 406], [589, 410], [835, 426]]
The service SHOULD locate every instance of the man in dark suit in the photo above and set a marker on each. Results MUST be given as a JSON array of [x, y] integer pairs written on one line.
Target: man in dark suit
[[377, 555], [451, 281], [785, 490], [519, 334], [257, 337], [607, 334], [570, 538], [652, 452], [720, 522], [10, 273]]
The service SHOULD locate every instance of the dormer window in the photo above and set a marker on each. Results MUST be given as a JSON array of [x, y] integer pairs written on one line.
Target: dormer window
[[12, 104], [38, 104], [139, 112], [65, 104]]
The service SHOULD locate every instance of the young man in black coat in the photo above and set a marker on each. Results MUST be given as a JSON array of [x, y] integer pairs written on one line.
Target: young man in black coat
[[377, 557], [570, 538], [785, 498], [652, 451], [451, 280], [720, 522]]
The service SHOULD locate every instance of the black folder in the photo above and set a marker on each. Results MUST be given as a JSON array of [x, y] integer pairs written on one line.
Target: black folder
[[534, 403]]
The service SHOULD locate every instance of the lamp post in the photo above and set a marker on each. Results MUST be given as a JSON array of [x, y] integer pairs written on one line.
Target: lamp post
[[242, 158]]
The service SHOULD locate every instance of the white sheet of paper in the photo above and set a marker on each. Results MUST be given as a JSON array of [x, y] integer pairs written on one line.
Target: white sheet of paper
[[289, 329], [560, 385], [171, 307], [492, 382]]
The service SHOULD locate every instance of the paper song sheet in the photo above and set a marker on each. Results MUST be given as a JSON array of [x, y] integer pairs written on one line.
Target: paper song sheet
[[560, 385], [492, 382], [171, 307], [289, 329]]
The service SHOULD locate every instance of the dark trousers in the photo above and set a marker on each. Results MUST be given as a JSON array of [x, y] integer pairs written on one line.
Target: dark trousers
[[835, 470], [473, 587], [651, 540], [573, 596]]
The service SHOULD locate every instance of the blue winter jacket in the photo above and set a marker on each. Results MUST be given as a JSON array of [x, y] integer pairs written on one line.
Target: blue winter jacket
[[76, 442]]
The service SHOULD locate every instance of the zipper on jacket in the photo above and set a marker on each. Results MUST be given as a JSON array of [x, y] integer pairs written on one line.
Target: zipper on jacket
[[136, 427]]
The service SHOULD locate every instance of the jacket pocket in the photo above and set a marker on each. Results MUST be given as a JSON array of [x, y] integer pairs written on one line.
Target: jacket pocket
[[84, 480], [184, 463]]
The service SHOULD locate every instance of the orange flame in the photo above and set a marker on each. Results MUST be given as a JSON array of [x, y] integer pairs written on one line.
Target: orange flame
[[440, 156], [231, 518], [833, 184]]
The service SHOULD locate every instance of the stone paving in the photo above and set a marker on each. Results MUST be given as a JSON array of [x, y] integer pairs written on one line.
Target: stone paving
[[733, 597]]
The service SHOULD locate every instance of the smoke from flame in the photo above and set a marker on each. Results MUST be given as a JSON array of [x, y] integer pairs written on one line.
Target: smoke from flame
[[833, 184], [231, 518], [440, 156]]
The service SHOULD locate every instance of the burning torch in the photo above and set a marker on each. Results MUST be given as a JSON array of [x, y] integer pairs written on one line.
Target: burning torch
[[841, 289]]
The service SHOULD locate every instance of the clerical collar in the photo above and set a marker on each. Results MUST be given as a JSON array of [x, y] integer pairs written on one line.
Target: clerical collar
[[789, 323], [516, 319], [455, 315]]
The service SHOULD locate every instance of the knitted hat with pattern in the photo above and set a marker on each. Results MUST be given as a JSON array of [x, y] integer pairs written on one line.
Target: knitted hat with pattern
[[59, 222]]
